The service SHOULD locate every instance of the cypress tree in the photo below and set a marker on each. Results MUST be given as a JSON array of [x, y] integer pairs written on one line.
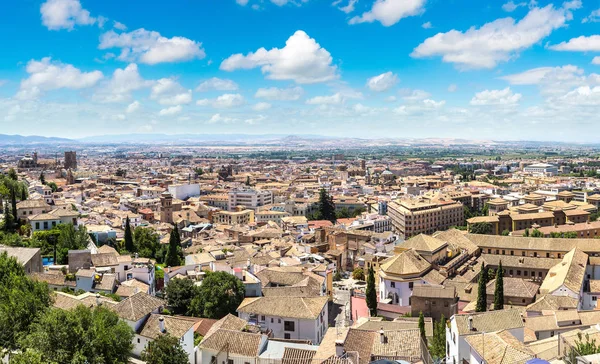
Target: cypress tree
[[8, 221], [422, 326], [129, 246], [371, 295], [13, 201], [481, 294], [23, 193], [326, 206], [174, 254], [499, 289]]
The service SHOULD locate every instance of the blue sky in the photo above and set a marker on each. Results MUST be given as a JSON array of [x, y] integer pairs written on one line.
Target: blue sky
[[367, 68]]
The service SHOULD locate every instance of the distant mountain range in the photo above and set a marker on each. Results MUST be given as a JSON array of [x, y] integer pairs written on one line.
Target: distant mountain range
[[304, 140]]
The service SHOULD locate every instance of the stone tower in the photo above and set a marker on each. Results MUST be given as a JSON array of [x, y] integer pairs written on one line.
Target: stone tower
[[71, 160], [166, 208]]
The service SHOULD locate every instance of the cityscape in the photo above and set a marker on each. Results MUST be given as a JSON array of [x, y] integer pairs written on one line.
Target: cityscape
[[300, 182]]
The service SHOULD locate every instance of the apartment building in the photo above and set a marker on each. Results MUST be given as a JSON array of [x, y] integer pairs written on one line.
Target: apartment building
[[243, 217], [413, 217], [249, 198]]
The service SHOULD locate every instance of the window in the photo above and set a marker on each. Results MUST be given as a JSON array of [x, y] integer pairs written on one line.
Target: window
[[410, 285], [446, 304], [510, 272], [287, 336], [138, 340], [523, 253], [547, 255], [229, 361], [271, 320], [594, 298], [288, 325], [525, 273], [393, 284], [518, 272], [213, 359], [262, 318]]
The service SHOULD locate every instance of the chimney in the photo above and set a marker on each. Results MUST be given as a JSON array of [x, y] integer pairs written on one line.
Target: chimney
[[339, 348], [98, 303], [161, 324], [470, 323], [381, 336]]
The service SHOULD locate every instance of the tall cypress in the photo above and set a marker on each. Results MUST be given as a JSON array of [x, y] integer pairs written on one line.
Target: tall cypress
[[326, 206], [422, 326], [13, 201], [371, 295], [129, 246], [481, 294], [499, 289], [174, 256], [8, 218]]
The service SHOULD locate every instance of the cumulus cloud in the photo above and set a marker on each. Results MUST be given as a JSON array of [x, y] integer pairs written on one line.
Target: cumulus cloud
[[348, 8], [594, 17], [218, 118], [382, 82], [427, 25], [173, 110], [389, 12], [493, 42], [496, 97], [133, 107], [46, 75], [261, 106], [583, 96], [579, 44], [64, 14], [452, 87], [217, 84], [335, 99], [302, 60], [414, 95], [554, 80], [225, 101], [280, 94], [150, 47], [596, 60], [119, 26], [122, 83], [167, 91]]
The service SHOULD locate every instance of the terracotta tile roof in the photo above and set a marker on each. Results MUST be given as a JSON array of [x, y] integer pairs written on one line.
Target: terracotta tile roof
[[293, 307], [489, 321], [136, 307], [174, 326], [235, 342], [406, 263], [297, 356], [514, 287], [425, 243], [500, 348]]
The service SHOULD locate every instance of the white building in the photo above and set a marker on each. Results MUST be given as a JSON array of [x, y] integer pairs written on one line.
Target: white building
[[541, 169], [183, 192], [292, 318], [463, 326], [249, 198]]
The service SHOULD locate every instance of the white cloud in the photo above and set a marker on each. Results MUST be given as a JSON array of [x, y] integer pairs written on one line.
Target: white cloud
[[382, 82], [133, 107], [217, 84], [579, 44], [419, 106], [433, 104], [173, 110], [335, 99], [123, 82], [348, 8], [229, 101], [119, 26], [217, 118], [452, 87], [496, 97], [261, 106], [389, 12], [494, 42], [594, 17], [302, 60], [535, 76], [596, 60], [256, 120], [242, 2], [224, 101], [167, 91], [510, 6], [64, 14], [391, 98], [45, 75], [150, 47], [583, 96], [280, 94], [414, 95], [427, 25], [554, 81]]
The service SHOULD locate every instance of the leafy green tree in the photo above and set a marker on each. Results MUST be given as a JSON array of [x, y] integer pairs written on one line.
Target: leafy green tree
[[485, 210], [481, 292], [358, 274], [174, 255], [437, 344], [499, 288], [220, 294], [180, 293], [505, 233], [129, 246], [199, 172], [22, 301], [81, 335], [12, 174], [371, 295], [536, 234], [422, 326], [147, 242], [29, 356], [13, 202], [70, 238], [481, 228], [53, 186], [337, 276], [326, 207], [24, 191], [526, 233], [166, 349], [247, 180]]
